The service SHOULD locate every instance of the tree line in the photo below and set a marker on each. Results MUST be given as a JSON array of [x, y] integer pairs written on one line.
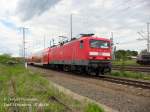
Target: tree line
[[122, 54]]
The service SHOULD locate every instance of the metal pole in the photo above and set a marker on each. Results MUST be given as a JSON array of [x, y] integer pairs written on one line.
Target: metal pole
[[23, 42], [113, 50], [24, 52], [50, 43], [53, 41], [71, 26], [44, 42], [148, 38]]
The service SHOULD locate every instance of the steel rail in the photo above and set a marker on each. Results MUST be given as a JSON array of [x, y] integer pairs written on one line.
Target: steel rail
[[113, 79], [126, 81], [132, 68]]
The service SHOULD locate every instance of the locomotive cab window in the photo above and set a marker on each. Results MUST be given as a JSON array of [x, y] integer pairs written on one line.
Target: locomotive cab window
[[99, 44], [81, 44]]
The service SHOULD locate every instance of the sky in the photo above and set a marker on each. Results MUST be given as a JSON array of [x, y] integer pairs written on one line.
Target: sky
[[48, 19]]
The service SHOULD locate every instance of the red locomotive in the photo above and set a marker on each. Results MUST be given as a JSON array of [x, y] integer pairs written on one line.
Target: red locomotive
[[86, 54]]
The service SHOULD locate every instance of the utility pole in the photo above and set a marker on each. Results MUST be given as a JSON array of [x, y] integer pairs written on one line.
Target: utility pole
[[50, 43], [113, 47], [44, 42], [71, 26], [148, 38], [144, 38], [23, 31], [112, 36], [24, 46], [53, 42]]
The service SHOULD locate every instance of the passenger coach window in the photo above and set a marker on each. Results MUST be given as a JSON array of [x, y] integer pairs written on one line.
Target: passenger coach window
[[81, 44]]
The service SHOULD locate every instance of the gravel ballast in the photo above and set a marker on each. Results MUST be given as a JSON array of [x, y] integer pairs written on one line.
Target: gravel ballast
[[119, 97]]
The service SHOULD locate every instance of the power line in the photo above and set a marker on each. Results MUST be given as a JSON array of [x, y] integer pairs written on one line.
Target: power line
[[123, 10], [146, 38], [117, 10], [128, 42], [141, 36]]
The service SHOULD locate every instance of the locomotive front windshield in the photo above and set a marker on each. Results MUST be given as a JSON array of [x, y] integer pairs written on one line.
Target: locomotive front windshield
[[99, 44]]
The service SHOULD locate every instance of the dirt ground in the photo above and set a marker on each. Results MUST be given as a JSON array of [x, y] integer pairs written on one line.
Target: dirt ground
[[120, 97]]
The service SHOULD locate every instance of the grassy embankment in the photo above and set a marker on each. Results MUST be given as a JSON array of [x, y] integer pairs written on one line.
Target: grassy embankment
[[130, 74], [31, 92]]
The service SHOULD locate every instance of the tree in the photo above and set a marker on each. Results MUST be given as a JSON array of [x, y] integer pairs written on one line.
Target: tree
[[120, 54], [5, 57], [123, 54]]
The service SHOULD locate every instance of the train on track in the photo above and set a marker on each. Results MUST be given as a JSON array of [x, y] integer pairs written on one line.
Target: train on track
[[87, 54], [143, 59]]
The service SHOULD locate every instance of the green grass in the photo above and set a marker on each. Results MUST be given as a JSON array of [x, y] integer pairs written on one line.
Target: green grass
[[129, 74], [93, 108], [17, 82], [127, 62]]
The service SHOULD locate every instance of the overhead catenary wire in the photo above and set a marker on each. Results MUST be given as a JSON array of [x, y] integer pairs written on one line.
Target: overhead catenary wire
[[123, 11], [146, 38]]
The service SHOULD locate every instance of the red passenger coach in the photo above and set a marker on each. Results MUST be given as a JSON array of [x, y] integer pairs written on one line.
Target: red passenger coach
[[86, 54]]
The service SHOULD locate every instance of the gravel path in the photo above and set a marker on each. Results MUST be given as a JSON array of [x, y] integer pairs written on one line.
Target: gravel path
[[120, 97]]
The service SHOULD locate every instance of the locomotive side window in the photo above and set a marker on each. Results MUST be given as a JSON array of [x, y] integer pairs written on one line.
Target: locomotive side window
[[81, 44], [99, 44]]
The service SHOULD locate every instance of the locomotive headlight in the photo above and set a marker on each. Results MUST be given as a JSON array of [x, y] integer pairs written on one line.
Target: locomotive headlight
[[105, 54], [93, 53], [99, 54]]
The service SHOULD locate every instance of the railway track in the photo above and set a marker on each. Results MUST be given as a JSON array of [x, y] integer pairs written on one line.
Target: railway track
[[131, 82], [113, 79], [132, 68], [123, 97]]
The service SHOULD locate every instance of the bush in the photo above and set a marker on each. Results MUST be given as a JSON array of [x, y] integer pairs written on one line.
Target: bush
[[7, 59]]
